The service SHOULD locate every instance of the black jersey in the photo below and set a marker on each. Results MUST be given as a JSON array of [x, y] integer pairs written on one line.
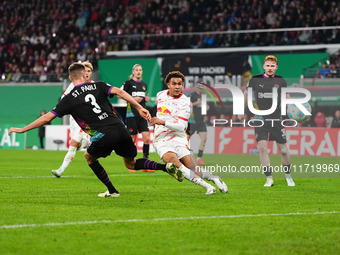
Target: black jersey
[[89, 106], [197, 110], [135, 89], [263, 91]]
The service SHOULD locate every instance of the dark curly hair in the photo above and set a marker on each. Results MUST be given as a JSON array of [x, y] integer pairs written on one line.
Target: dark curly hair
[[174, 74]]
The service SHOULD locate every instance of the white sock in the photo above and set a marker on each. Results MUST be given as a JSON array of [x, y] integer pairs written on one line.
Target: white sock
[[191, 176], [207, 175], [68, 158]]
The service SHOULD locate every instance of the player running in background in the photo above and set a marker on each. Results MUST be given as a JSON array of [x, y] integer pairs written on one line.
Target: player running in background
[[170, 140], [90, 107], [197, 123], [79, 139], [262, 86], [134, 122]]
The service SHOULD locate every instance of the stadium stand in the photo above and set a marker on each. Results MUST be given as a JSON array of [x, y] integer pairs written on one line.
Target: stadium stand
[[40, 38]]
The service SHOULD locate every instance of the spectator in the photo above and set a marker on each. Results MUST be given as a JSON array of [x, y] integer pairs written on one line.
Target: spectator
[[271, 18], [324, 71], [333, 72], [336, 120], [309, 123], [41, 25], [320, 119]]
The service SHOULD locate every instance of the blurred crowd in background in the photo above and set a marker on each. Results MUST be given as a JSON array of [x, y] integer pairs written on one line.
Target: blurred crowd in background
[[40, 37]]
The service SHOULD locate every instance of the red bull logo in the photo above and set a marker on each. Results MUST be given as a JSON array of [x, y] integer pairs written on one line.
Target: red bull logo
[[163, 110]]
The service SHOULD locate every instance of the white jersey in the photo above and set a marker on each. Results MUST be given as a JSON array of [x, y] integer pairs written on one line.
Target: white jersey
[[77, 133], [68, 90], [175, 111]]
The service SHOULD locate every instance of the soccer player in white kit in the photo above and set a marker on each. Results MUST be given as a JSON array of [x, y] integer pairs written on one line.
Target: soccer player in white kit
[[79, 139], [170, 140]]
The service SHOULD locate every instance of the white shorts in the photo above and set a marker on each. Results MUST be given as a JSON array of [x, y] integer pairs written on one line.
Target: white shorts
[[78, 134], [178, 146]]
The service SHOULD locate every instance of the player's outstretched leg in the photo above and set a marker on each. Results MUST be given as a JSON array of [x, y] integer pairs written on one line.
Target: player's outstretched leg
[[215, 179], [193, 177], [67, 160], [207, 175], [169, 168]]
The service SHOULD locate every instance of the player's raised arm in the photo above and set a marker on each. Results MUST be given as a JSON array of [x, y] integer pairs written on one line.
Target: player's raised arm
[[42, 120], [124, 95]]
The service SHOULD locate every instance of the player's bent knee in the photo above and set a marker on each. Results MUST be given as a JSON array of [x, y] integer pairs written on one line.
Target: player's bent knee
[[284, 151]]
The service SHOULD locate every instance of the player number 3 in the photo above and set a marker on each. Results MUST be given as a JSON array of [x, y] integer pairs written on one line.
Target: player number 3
[[91, 98]]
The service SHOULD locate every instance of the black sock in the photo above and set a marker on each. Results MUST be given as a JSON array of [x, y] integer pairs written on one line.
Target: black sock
[[200, 154], [286, 168], [146, 150], [102, 176], [143, 163], [267, 170]]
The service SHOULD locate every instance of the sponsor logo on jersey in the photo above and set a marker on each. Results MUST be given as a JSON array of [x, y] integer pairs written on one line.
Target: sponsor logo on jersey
[[163, 110], [276, 86], [144, 88], [265, 95]]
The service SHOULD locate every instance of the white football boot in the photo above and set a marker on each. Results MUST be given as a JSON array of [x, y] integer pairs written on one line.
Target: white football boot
[[290, 182], [107, 194], [174, 172], [220, 184], [210, 190], [269, 182], [56, 173]]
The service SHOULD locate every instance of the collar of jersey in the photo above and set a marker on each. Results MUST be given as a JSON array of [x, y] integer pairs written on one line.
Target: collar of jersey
[[268, 77], [81, 84], [136, 81], [174, 97]]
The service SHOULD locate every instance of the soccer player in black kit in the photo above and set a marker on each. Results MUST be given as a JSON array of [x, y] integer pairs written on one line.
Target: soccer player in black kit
[[134, 122], [197, 124], [89, 106], [262, 86]]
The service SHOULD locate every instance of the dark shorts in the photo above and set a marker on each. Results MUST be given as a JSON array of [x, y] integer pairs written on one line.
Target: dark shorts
[[197, 127], [136, 125], [118, 140], [276, 133]]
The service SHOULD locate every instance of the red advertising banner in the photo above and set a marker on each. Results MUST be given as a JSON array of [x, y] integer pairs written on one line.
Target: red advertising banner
[[300, 141]]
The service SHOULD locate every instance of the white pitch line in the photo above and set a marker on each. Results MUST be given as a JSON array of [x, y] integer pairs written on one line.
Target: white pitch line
[[52, 224], [75, 176]]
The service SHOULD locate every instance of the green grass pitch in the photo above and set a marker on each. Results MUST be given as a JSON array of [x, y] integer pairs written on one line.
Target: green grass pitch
[[155, 214]]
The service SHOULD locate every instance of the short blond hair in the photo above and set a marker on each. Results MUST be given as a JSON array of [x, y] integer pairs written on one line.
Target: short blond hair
[[271, 58], [133, 68], [88, 64]]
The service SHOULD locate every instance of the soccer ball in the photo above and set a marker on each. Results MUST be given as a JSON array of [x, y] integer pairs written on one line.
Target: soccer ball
[[295, 113]]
